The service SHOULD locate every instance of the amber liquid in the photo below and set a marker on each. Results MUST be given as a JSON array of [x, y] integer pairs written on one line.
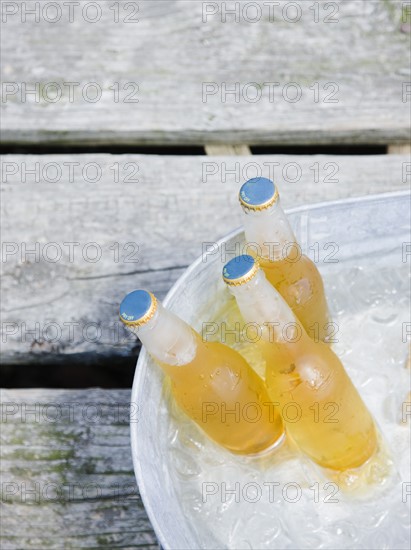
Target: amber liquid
[[300, 284], [227, 399], [322, 410]]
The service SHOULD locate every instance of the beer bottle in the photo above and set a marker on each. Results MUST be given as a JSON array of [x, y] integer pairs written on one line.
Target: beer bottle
[[321, 409], [271, 239], [211, 382]]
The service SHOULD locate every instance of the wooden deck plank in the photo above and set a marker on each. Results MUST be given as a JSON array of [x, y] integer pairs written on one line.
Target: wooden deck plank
[[348, 60], [67, 476], [57, 301]]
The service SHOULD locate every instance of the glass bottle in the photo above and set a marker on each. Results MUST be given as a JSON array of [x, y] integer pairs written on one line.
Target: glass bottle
[[271, 239], [211, 382], [322, 411]]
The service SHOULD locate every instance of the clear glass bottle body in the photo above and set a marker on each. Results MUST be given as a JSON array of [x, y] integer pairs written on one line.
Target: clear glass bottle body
[[213, 385], [321, 409], [295, 276]]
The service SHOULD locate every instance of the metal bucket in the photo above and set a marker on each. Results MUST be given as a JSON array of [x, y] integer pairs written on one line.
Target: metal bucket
[[368, 231]]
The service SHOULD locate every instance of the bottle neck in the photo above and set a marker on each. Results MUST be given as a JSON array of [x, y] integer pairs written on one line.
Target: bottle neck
[[260, 303], [168, 338], [268, 233]]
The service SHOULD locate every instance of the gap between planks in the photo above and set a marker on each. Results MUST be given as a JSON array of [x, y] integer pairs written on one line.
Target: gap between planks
[[399, 149], [217, 150]]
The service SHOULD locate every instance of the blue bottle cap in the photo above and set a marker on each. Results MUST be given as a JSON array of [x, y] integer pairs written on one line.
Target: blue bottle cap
[[240, 270], [258, 194], [138, 307]]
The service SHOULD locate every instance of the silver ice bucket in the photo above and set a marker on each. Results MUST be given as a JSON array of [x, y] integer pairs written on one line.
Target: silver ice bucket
[[362, 249]]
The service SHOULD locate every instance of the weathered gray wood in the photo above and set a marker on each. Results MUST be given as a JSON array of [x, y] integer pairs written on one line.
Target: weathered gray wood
[[175, 48], [71, 449], [177, 205]]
